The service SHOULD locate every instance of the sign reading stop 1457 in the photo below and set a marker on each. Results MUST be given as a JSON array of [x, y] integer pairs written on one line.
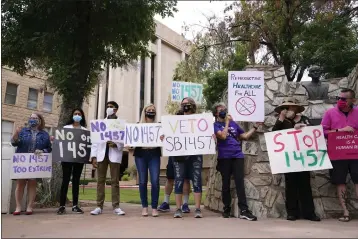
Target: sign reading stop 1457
[[180, 90]]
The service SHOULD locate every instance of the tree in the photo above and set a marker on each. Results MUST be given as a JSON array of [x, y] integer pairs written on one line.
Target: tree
[[73, 41]]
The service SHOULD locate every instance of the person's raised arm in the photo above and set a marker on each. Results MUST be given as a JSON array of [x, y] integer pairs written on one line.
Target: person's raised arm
[[248, 134], [222, 134]]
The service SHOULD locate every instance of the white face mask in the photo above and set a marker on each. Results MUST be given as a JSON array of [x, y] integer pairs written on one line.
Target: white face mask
[[109, 111], [290, 114]]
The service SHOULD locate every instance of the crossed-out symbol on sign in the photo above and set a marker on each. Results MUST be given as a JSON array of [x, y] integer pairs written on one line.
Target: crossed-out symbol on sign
[[245, 106]]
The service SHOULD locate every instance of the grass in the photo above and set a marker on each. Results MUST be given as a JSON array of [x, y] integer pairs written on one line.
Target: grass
[[127, 195]]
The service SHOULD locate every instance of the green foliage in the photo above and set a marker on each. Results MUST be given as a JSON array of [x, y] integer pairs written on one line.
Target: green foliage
[[125, 177], [215, 86]]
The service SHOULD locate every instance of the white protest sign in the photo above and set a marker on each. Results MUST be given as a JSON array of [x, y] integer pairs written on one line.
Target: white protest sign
[[180, 90], [246, 95], [188, 135], [29, 165], [297, 150], [143, 135], [108, 130]]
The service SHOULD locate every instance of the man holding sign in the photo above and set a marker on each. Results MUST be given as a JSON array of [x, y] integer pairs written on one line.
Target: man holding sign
[[343, 118], [299, 200], [103, 154]]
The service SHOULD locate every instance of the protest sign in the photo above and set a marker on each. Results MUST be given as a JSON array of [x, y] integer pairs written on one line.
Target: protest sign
[[108, 130], [29, 165], [180, 90], [246, 95], [343, 145], [297, 150], [188, 135], [143, 135], [71, 145]]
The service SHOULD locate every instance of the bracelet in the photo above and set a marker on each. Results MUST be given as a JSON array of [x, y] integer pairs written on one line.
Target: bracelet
[[255, 127]]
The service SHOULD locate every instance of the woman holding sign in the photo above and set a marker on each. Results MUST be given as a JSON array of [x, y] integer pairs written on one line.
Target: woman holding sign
[[32, 139], [148, 159], [231, 159], [76, 121], [299, 201]]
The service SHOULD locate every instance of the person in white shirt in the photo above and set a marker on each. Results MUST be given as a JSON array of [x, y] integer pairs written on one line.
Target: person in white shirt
[[77, 121], [102, 155]]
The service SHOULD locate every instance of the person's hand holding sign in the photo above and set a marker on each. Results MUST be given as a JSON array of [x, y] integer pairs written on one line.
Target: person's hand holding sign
[[94, 162], [111, 144], [347, 129], [299, 126], [162, 137], [282, 116]]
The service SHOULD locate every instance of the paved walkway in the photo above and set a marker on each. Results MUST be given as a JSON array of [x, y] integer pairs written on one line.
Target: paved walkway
[[45, 223]]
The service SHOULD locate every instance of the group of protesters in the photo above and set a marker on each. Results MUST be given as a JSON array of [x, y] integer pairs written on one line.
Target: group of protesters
[[183, 170]]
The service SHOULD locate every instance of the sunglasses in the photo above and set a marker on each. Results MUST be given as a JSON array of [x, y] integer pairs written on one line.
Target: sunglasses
[[342, 98]]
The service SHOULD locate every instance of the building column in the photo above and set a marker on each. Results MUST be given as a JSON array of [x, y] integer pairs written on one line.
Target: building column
[[158, 80], [147, 78], [102, 96], [183, 56], [110, 83], [137, 91]]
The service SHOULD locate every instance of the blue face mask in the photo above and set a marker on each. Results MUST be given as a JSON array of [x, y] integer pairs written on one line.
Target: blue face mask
[[77, 118], [33, 122], [222, 114]]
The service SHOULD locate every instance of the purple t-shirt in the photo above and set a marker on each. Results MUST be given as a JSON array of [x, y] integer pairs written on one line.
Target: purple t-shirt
[[230, 147]]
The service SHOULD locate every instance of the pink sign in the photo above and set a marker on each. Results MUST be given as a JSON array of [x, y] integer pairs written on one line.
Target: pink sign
[[343, 145]]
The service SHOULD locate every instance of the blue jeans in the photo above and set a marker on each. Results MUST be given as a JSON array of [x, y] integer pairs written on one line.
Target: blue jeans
[[188, 165], [151, 162]]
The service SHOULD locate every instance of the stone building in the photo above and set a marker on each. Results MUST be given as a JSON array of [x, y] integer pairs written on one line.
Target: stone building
[[265, 192]]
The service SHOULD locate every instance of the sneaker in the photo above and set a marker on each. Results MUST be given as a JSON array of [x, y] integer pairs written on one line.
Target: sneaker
[[198, 213], [246, 214], [185, 208], [178, 214], [119, 212], [61, 210], [227, 212], [96, 211], [164, 207], [76, 209]]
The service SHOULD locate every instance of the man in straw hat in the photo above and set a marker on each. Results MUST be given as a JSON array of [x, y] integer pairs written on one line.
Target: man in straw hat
[[299, 201]]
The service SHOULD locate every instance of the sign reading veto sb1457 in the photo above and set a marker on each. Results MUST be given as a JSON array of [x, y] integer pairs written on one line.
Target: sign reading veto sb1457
[[297, 150], [71, 145]]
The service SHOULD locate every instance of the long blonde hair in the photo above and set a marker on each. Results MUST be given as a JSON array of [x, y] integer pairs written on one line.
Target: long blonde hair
[[142, 117]]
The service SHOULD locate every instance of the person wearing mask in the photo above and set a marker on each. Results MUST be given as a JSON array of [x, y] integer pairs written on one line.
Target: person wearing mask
[[102, 155], [231, 159], [343, 118], [299, 200], [77, 121], [31, 139], [169, 185], [148, 159]]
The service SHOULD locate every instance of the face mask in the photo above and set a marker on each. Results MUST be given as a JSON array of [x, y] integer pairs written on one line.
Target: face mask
[[187, 108], [77, 118], [109, 111], [290, 114], [150, 115], [342, 104], [222, 114], [33, 122]]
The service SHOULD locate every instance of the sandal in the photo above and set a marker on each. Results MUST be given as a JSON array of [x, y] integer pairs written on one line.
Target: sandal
[[16, 213], [29, 212], [344, 219]]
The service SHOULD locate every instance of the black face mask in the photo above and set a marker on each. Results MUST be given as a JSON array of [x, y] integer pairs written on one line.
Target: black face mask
[[150, 115], [222, 114], [187, 107]]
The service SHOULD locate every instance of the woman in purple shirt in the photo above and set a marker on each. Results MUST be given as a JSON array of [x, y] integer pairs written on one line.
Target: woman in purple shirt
[[231, 159]]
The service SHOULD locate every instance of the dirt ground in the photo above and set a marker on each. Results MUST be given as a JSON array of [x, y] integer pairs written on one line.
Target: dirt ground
[[45, 223]]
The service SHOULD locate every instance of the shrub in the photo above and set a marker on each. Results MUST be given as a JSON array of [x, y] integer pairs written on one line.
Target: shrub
[[125, 177]]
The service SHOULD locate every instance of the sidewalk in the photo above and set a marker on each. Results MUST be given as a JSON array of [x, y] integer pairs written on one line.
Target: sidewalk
[[44, 223]]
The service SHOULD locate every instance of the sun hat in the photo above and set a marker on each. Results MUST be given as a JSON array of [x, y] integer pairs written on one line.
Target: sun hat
[[289, 101]]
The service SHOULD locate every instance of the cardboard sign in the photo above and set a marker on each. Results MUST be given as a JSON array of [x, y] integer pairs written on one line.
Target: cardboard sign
[[29, 166], [143, 135], [188, 135], [343, 145], [108, 130], [71, 145], [297, 150], [246, 95], [180, 90]]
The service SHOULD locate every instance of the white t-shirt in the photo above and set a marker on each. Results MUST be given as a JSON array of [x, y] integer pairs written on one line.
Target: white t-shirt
[[70, 126]]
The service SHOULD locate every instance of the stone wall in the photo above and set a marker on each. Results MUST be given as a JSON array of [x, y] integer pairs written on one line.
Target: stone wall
[[265, 192]]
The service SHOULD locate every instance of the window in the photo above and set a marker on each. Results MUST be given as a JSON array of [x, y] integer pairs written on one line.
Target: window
[[6, 133], [11, 93], [152, 79], [48, 99], [142, 84], [32, 99]]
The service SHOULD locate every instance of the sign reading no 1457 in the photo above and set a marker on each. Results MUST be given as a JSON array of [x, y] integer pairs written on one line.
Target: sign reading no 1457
[[180, 90]]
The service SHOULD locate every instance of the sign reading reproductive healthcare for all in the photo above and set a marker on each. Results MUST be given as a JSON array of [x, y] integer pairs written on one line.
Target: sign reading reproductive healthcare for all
[[246, 95], [188, 135], [108, 130], [29, 165], [143, 135], [71, 145], [180, 90], [343, 145], [297, 150]]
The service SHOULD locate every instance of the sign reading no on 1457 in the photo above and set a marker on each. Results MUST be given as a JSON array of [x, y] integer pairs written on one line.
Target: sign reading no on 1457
[[180, 90]]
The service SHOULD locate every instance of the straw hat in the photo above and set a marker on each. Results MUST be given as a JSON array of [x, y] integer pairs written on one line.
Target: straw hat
[[290, 101]]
